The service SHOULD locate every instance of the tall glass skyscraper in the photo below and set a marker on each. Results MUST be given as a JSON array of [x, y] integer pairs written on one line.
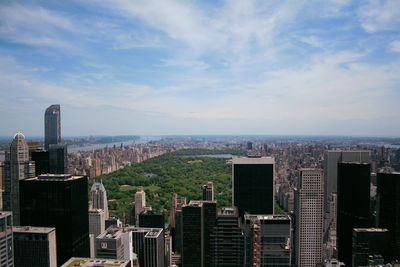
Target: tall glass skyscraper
[[253, 185], [52, 126]]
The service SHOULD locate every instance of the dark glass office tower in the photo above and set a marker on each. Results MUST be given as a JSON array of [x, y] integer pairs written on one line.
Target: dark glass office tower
[[151, 219], [353, 205], [52, 126], [41, 159], [191, 235], [59, 201], [58, 159], [388, 199], [198, 220], [253, 185], [369, 242], [226, 241]]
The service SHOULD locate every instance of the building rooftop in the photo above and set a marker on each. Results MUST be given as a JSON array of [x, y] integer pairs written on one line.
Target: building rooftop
[[253, 160], [33, 229], [110, 233], [370, 230], [55, 177], [86, 262], [266, 217], [199, 203]]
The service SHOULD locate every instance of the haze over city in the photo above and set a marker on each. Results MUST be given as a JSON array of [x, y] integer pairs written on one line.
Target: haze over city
[[201, 67]]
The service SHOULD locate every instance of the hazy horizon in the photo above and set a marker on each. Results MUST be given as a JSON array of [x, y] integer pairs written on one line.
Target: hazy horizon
[[174, 67]]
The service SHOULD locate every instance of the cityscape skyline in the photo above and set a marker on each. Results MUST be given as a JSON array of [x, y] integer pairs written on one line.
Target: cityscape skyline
[[198, 67]]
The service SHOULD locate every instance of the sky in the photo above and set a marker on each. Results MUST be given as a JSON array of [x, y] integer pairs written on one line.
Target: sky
[[201, 67]]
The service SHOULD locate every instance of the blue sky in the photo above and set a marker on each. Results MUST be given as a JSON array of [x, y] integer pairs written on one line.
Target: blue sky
[[201, 67]]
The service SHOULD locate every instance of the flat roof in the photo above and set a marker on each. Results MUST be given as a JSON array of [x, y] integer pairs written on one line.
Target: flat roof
[[33, 229], [370, 230], [86, 262], [55, 177], [110, 233], [266, 217], [253, 160]]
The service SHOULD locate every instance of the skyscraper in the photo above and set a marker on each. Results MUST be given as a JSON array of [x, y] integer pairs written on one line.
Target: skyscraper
[[96, 222], [140, 202], [309, 218], [34, 246], [353, 205], [268, 240], [198, 220], [6, 240], [98, 196], [226, 241], [148, 244], [369, 242], [59, 201], [17, 167], [388, 198], [208, 191], [52, 126], [253, 185], [58, 159]]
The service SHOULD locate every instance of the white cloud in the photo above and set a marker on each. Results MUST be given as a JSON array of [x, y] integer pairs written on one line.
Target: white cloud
[[380, 15], [395, 46]]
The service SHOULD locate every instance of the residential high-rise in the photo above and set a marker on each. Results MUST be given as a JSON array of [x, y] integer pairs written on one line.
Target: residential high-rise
[[253, 185], [388, 199], [6, 239], [198, 221], [98, 196], [268, 240], [369, 242], [17, 167], [59, 201], [140, 202], [309, 214], [226, 241], [208, 191], [52, 126], [34, 246], [353, 205]]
